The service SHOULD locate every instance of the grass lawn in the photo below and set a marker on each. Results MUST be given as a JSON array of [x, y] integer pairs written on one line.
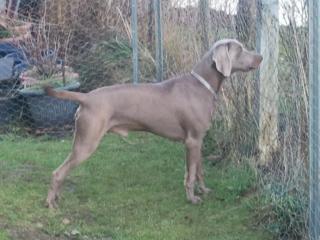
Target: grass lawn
[[126, 191]]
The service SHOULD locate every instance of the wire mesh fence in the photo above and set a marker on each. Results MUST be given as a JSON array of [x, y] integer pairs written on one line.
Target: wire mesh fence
[[81, 45]]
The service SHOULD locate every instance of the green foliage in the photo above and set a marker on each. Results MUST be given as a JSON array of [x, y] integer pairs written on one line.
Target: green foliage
[[105, 63], [216, 141], [236, 181], [283, 212], [4, 33], [3, 235], [53, 82], [110, 62], [127, 190], [238, 140]]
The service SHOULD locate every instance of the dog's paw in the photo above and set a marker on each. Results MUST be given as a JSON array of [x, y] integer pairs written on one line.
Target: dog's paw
[[51, 204], [205, 190], [195, 200], [51, 201]]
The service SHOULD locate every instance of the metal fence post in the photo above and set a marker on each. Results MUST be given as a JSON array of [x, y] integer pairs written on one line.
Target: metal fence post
[[314, 117], [159, 40], [134, 41], [204, 14], [17, 8], [2, 5], [256, 106]]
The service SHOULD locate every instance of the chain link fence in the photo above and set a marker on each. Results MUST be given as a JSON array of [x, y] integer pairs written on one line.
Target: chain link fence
[[81, 45]]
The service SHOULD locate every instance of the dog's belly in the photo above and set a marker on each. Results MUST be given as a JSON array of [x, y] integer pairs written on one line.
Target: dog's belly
[[168, 129], [172, 132]]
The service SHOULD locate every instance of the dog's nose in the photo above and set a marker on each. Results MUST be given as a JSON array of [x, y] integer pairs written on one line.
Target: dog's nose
[[257, 61]]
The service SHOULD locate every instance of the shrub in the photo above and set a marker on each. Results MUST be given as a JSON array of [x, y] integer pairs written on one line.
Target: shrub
[[283, 212], [104, 64], [109, 62]]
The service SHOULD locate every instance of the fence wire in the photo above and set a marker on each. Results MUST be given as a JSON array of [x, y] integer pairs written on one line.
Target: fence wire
[[82, 45]]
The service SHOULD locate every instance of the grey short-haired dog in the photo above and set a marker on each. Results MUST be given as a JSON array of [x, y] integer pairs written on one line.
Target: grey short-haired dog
[[179, 109]]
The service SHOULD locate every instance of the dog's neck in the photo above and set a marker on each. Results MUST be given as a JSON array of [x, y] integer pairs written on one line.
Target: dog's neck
[[207, 70]]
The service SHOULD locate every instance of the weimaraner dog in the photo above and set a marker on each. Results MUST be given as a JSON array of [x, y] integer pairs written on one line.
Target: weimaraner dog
[[179, 109]]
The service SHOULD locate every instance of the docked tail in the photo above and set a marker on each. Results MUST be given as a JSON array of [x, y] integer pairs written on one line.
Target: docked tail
[[73, 96]]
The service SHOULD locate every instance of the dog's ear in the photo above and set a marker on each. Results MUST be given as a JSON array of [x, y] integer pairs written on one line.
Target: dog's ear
[[221, 57]]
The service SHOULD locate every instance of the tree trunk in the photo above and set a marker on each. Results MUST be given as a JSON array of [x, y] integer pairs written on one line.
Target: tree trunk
[[268, 37], [150, 31], [204, 24]]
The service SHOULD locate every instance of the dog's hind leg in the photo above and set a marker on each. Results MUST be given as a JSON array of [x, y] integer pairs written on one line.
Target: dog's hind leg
[[88, 134]]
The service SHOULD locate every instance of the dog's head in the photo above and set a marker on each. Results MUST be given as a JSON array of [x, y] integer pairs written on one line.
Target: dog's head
[[229, 56]]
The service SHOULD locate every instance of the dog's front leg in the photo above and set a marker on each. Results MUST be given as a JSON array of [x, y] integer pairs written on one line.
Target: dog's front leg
[[193, 152]]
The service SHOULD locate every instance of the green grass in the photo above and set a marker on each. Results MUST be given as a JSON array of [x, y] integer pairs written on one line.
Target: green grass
[[126, 191]]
